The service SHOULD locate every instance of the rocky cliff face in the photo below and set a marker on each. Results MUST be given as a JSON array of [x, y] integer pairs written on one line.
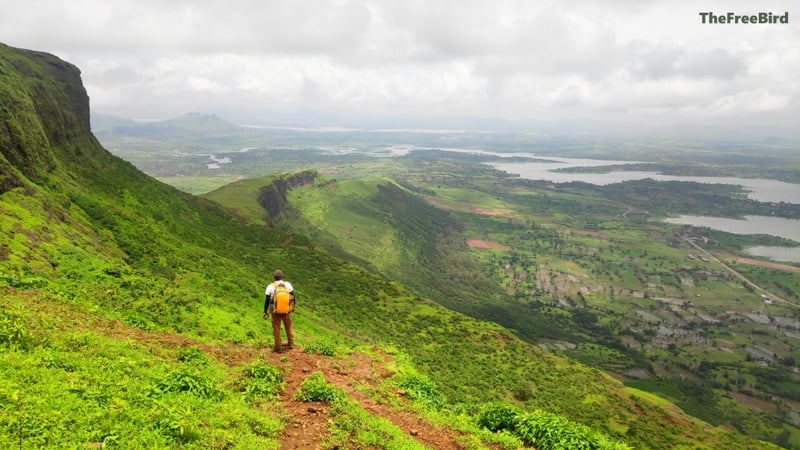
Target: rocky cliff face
[[43, 107], [44, 117], [273, 196]]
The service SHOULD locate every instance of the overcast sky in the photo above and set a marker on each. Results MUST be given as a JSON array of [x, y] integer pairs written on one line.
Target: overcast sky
[[649, 62]]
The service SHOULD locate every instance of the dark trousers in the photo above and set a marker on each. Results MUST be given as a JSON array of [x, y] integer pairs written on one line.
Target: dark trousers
[[276, 329]]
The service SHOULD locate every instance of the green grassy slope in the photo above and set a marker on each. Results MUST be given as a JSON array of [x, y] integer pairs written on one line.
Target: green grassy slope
[[89, 239], [373, 220]]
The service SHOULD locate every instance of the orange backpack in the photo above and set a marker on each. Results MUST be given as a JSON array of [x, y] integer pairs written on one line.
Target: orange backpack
[[281, 298]]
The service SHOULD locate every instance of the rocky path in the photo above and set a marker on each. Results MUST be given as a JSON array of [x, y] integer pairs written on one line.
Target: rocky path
[[307, 426]]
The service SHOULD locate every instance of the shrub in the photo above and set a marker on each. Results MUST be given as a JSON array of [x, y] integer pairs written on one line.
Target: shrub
[[499, 416], [193, 354], [178, 424], [191, 381], [262, 379], [544, 430], [316, 389], [326, 348], [422, 389], [551, 431], [22, 283], [14, 332]]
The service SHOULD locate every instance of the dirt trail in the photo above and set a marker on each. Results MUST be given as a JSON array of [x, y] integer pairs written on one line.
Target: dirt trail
[[767, 264], [772, 296], [307, 422]]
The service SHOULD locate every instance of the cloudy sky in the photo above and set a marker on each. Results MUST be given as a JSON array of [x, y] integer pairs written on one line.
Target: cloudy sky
[[637, 62]]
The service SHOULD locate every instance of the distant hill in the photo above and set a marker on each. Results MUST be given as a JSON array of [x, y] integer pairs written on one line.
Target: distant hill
[[189, 127], [201, 123], [106, 121], [130, 316]]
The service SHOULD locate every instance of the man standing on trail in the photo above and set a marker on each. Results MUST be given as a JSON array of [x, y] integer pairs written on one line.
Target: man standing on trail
[[279, 302]]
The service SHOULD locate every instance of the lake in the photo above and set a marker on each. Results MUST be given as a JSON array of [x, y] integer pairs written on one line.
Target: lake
[[774, 226], [759, 189]]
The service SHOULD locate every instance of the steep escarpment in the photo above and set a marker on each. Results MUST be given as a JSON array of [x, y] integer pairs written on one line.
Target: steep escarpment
[[46, 115], [260, 200], [272, 197]]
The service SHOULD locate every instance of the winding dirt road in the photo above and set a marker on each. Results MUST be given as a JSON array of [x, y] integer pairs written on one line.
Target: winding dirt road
[[738, 275]]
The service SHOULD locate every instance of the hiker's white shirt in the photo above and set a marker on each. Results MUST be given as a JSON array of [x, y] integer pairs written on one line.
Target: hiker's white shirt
[[271, 288]]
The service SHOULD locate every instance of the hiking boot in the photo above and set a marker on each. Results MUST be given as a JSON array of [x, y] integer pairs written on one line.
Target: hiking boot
[[277, 350]]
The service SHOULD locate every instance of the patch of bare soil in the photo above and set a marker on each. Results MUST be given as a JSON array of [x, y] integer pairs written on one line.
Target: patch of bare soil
[[767, 264], [489, 212], [469, 208], [594, 234], [480, 243], [308, 421], [757, 404]]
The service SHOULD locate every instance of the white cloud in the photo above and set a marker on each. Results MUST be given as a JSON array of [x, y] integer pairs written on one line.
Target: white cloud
[[629, 60]]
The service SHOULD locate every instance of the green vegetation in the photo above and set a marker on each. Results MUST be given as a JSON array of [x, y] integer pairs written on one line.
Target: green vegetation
[[543, 430], [551, 268], [71, 385], [316, 389], [263, 379], [323, 347]]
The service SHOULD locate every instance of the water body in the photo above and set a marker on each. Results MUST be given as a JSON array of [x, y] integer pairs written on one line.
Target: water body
[[759, 189], [775, 226], [787, 254], [218, 162]]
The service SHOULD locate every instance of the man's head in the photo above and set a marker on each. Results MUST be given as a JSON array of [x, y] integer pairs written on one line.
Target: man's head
[[278, 275]]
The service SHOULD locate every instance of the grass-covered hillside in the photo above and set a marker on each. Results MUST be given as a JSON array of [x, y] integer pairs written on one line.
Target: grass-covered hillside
[[130, 317]]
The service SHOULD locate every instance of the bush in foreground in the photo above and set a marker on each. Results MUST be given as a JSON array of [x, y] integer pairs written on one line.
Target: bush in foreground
[[545, 430]]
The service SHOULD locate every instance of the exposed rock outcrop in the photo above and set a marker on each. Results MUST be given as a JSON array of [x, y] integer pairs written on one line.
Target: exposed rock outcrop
[[273, 196]]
